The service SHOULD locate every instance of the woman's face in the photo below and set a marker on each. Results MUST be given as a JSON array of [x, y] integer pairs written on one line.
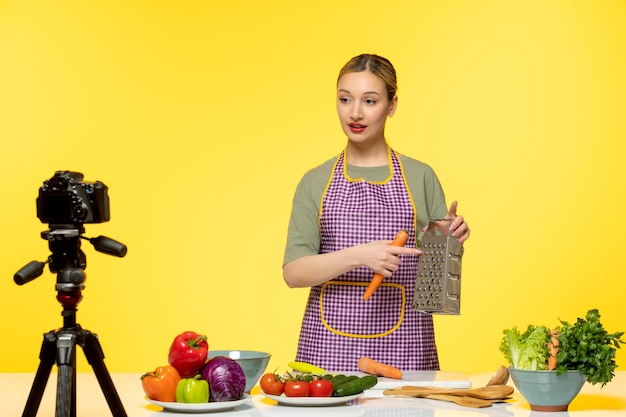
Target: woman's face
[[363, 106]]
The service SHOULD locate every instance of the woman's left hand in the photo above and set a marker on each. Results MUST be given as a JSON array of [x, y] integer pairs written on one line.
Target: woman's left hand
[[453, 224]]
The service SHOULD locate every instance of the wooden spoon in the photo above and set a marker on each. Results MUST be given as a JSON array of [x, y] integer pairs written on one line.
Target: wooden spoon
[[461, 400], [501, 377], [492, 392]]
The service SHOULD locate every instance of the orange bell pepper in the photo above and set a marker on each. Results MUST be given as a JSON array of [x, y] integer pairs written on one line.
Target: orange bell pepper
[[160, 385]]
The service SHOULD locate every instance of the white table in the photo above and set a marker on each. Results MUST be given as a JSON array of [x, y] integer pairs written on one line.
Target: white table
[[593, 401]]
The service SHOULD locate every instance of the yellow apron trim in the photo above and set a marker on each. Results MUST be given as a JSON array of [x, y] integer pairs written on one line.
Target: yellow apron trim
[[364, 284], [350, 179], [330, 179], [408, 190]]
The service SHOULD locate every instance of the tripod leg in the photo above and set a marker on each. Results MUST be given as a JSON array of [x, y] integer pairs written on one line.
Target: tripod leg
[[47, 357], [66, 379], [95, 357]]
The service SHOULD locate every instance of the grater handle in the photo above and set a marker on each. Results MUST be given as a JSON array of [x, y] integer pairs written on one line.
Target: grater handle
[[432, 224]]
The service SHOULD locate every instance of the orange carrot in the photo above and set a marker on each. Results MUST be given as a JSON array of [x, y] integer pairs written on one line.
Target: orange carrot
[[553, 346], [370, 366], [399, 240]]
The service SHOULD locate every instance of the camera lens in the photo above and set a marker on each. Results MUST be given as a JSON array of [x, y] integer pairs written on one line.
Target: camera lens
[[80, 211]]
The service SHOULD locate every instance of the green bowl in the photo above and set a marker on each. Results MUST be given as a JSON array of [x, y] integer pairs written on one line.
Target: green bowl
[[252, 362], [547, 391]]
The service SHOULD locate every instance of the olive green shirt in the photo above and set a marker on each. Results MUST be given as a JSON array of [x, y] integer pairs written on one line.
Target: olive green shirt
[[303, 235]]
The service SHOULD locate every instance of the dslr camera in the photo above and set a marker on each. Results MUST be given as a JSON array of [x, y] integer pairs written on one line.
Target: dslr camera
[[65, 199]]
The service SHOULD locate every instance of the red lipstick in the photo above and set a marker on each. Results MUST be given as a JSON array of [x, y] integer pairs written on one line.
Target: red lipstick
[[356, 128]]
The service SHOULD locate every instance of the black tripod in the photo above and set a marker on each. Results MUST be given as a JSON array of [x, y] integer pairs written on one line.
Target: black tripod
[[59, 346]]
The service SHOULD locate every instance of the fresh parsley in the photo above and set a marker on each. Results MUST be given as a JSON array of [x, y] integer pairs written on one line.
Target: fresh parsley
[[586, 346]]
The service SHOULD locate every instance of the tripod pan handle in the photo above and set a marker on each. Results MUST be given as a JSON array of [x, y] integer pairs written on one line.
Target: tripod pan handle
[[29, 272]]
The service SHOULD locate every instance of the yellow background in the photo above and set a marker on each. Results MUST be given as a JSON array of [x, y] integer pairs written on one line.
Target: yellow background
[[202, 116]]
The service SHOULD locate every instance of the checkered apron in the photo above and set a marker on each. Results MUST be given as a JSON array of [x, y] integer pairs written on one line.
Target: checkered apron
[[339, 327]]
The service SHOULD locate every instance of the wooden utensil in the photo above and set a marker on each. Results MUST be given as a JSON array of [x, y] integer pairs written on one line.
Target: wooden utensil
[[501, 377], [461, 400], [492, 392]]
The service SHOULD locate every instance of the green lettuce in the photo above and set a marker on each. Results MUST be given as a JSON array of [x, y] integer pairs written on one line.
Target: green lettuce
[[527, 350]]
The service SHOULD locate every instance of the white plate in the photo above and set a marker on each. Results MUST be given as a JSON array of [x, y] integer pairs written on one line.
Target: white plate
[[199, 407], [312, 401]]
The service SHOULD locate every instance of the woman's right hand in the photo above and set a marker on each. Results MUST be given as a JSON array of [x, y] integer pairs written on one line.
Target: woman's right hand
[[382, 258]]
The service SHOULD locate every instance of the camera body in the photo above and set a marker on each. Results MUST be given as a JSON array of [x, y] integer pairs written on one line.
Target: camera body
[[65, 199]]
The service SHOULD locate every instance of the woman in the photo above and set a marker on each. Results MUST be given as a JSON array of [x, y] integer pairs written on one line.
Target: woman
[[345, 213]]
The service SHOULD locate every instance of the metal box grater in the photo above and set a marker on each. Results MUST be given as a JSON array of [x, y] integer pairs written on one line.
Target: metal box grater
[[438, 282]]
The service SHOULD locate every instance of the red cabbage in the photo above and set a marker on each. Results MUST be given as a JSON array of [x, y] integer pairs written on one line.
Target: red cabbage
[[226, 379]]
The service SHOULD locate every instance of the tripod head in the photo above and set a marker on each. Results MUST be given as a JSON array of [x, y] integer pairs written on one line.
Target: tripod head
[[68, 260], [66, 202]]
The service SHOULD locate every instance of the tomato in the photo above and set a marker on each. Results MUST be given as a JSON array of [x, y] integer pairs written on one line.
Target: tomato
[[320, 388], [297, 389], [271, 385]]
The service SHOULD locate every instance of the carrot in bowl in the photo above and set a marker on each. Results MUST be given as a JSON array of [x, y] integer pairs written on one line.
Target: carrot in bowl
[[377, 279], [373, 367], [553, 347]]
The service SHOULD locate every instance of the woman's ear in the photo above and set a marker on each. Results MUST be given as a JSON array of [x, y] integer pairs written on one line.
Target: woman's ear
[[393, 105]]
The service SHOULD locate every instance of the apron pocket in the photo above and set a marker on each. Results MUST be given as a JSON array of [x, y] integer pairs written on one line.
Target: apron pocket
[[344, 311]]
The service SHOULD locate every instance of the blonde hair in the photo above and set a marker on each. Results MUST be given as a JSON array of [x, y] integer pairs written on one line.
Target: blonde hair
[[377, 65]]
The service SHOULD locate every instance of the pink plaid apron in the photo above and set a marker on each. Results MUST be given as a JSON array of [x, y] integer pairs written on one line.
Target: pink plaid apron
[[338, 326]]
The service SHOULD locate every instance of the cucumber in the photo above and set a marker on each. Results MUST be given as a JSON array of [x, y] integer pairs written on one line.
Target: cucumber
[[336, 380], [341, 379], [355, 386]]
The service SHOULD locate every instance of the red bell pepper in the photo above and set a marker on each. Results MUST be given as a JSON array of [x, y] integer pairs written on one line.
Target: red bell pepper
[[188, 353]]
